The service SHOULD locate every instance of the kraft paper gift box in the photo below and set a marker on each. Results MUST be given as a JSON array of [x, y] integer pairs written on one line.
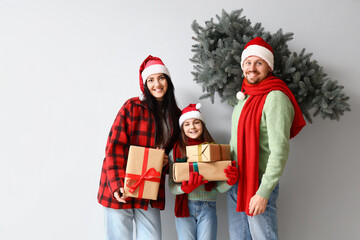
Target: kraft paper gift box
[[143, 172], [212, 171], [208, 152]]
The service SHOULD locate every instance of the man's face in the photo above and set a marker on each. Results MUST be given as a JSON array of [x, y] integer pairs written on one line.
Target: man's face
[[255, 69]]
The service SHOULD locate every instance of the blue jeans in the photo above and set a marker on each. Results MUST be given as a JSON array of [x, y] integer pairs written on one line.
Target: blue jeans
[[119, 223], [244, 227], [201, 224]]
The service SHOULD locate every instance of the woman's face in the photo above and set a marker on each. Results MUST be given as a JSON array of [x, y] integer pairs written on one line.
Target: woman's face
[[157, 85], [193, 128]]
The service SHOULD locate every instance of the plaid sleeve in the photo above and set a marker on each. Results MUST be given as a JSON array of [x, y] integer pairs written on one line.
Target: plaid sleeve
[[117, 149]]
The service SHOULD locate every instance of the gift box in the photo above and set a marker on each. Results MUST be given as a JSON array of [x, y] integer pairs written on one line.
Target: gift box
[[143, 172], [208, 152], [213, 171]]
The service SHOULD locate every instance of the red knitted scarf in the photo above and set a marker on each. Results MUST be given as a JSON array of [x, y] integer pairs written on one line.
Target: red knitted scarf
[[248, 135], [181, 201]]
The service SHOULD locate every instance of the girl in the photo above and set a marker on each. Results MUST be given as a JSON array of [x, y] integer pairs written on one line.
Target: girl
[[195, 206], [149, 121]]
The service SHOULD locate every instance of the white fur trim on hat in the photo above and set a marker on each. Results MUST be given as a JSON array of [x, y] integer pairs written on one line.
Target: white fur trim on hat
[[259, 51], [156, 68], [189, 115]]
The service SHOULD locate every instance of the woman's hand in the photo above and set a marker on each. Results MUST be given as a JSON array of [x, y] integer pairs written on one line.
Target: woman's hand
[[119, 195], [166, 157], [166, 160]]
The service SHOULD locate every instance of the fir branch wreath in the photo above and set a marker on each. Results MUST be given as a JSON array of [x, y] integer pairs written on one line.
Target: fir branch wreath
[[217, 56]]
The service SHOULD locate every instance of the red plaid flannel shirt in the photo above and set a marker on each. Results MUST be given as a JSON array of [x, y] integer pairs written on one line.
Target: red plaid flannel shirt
[[134, 125]]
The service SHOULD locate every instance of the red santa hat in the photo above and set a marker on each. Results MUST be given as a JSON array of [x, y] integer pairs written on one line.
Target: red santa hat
[[151, 65], [258, 47], [191, 111]]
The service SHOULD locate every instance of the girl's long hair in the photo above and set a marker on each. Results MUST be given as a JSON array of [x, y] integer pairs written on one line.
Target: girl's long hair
[[169, 109], [183, 141]]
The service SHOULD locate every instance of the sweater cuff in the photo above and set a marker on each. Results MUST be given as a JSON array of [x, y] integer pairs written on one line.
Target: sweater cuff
[[223, 186], [264, 191]]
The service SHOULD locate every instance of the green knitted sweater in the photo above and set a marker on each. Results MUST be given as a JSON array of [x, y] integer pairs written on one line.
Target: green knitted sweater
[[199, 194], [275, 124]]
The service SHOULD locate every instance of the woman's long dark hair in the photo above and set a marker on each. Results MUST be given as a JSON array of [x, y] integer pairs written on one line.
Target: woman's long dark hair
[[169, 108]]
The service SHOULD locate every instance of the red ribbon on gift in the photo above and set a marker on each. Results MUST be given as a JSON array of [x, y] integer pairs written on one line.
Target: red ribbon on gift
[[193, 167], [149, 175]]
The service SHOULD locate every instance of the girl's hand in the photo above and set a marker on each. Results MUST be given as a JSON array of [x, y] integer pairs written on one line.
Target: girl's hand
[[195, 180], [232, 174], [119, 195]]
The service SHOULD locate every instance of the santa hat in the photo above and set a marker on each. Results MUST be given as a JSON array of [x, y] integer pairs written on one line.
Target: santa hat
[[258, 47], [151, 65], [191, 111]]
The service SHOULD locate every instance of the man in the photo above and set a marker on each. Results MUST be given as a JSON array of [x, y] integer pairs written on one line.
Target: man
[[265, 118]]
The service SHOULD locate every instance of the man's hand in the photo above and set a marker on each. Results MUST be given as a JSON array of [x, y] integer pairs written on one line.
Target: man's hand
[[119, 195], [257, 205]]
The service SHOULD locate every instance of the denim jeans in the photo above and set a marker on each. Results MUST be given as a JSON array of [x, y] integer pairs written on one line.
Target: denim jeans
[[201, 224], [119, 223], [259, 227]]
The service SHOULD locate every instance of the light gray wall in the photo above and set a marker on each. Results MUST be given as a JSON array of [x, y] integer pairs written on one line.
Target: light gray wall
[[67, 66]]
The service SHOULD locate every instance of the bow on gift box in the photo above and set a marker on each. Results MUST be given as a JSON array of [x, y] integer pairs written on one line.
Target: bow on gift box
[[150, 175]]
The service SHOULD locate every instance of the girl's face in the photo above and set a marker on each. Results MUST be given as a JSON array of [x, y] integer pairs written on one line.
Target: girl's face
[[157, 85], [193, 128]]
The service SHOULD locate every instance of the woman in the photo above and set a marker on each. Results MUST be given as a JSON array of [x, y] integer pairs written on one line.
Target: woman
[[149, 121]]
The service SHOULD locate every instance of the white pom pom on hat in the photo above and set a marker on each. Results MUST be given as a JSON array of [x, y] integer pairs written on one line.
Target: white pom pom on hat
[[240, 95], [191, 111]]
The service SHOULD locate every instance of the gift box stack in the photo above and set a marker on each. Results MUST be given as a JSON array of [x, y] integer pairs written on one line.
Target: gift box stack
[[143, 172], [208, 159]]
